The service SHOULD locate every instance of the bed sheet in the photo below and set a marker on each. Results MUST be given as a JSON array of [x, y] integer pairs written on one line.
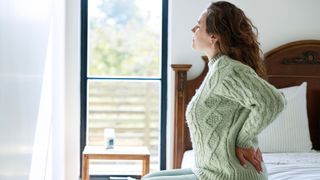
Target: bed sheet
[[281, 166]]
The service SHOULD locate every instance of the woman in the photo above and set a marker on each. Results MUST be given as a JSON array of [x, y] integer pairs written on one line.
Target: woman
[[232, 105]]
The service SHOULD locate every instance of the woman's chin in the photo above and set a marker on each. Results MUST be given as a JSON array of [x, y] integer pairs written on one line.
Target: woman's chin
[[194, 46]]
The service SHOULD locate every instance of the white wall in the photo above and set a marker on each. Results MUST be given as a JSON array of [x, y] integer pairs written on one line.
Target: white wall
[[72, 112], [278, 22]]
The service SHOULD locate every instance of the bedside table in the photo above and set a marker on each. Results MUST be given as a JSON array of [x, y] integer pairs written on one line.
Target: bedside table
[[117, 153]]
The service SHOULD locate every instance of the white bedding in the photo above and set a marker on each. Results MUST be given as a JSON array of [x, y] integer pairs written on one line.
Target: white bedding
[[312, 157], [281, 166]]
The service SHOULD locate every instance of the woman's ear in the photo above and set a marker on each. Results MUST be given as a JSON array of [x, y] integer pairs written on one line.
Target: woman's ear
[[214, 38]]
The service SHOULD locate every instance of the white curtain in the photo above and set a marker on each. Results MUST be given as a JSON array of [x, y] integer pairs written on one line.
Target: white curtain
[[32, 58]]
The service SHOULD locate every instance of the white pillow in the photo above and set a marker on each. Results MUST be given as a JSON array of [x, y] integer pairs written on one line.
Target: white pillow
[[289, 132]]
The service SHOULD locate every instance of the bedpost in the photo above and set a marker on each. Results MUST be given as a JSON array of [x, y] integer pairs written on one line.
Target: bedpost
[[179, 112]]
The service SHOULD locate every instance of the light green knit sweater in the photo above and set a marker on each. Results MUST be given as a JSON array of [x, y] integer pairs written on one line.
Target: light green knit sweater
[[230, 108]]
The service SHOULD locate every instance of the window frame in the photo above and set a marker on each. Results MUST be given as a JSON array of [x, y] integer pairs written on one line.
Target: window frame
[[85, 78]]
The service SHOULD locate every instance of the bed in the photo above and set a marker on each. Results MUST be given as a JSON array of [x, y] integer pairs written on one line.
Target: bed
[[291, 144]]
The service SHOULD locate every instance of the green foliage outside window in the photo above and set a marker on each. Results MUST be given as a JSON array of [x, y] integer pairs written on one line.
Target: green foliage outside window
[[122, 43]]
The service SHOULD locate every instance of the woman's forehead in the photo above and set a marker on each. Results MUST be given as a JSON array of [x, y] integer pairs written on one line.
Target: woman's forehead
[[202, 17]]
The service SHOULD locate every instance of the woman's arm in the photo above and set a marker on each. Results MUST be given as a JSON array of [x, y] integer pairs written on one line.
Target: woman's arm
[[265, 102]]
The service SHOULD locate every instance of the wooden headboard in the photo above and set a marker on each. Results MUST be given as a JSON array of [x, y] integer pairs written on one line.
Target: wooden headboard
[[288, 65]]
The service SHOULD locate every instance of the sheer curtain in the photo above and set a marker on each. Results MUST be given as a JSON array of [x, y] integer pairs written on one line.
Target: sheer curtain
[[32, 58]]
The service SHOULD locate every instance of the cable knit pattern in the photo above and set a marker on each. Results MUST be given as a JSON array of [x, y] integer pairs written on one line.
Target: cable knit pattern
[[230, 108]]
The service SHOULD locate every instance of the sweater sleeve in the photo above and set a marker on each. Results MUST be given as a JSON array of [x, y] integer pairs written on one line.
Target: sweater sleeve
[[263, 100]]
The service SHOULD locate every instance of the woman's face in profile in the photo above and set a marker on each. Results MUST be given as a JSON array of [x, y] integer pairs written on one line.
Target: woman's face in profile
[[201, 39]]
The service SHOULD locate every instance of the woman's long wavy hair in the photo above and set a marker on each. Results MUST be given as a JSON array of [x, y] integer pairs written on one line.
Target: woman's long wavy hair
[[237, 35]]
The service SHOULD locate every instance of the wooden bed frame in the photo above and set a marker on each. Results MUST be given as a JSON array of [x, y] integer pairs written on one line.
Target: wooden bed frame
[[288, 65]]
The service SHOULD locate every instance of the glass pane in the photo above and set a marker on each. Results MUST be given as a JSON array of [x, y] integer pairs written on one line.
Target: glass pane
[[132, 109], [124, 38]]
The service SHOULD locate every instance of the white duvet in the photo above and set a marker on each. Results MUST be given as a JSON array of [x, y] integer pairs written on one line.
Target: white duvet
[[281, 166]]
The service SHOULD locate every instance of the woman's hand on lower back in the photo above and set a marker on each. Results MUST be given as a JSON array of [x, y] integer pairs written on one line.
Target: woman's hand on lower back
[[251, 155], [259, 155]]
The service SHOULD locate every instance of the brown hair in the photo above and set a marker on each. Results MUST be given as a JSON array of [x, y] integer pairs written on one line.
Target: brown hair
[[237, 35]]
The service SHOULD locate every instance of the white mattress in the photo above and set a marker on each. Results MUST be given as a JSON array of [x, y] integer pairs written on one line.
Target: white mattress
[[281, 166], [187, 160]]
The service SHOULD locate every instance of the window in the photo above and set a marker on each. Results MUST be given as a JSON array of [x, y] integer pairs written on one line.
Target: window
[[123, 78]]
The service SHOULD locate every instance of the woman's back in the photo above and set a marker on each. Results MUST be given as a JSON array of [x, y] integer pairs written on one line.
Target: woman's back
[[215, 120]]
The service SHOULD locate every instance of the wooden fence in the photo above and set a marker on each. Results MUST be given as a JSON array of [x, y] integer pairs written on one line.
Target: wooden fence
[[131, 108]]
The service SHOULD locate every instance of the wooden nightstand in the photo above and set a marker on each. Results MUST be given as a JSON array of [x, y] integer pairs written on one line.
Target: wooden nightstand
[[118, 153]]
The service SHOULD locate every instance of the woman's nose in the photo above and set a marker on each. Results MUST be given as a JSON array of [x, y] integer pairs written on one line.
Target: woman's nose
[[192, 29]]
